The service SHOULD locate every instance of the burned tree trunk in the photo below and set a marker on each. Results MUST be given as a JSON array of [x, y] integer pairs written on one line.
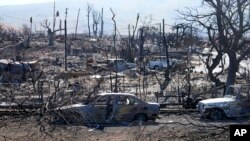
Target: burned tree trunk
[[214, 77], [96, 20], [230, 24], [132, 42], [167, 70], [233, 68], [89, 9], [46, 25], [50, 37]]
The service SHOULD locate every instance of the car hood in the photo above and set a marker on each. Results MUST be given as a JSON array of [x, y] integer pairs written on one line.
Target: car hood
[[153, 103], [72, 106], [216, 100]]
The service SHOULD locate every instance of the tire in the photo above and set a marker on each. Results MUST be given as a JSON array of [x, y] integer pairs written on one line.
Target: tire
[[73, 118], [216, 114], [140, 118]]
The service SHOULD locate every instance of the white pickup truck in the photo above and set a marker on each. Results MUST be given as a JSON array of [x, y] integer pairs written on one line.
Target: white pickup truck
[[235, 103], [159, 62]]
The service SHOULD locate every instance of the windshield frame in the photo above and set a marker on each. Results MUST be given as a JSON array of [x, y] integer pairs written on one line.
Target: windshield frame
[[235, 90]]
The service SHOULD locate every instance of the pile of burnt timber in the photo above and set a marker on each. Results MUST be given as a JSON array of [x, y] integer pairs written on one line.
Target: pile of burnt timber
[[19, 109]]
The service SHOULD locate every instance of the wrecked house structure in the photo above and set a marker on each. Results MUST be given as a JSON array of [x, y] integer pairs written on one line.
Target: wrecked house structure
[[16, 72]]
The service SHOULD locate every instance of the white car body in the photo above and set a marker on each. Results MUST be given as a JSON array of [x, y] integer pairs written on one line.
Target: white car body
[[158, 62], [235, 103]]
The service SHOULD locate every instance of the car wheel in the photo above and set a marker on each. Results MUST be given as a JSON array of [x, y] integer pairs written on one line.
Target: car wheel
[[74, 118], [141, 118], [216, 114]]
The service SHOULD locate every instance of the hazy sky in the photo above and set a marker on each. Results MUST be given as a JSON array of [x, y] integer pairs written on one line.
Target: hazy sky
[[126, 10], [19, 2], [175, 2]]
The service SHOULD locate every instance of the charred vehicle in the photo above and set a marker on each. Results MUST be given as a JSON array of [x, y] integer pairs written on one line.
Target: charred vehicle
[[109, 108], [159, 62], [16, 72], [116, 65], [235, 103]]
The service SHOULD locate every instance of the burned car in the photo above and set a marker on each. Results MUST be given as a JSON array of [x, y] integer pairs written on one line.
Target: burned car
[[110, 108], [235, 103]]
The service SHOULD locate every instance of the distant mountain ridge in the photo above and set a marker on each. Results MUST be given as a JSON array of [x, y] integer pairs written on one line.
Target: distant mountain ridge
[[17, 15], [126, 13]]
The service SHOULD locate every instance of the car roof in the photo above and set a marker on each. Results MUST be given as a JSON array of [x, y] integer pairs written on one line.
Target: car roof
[[124, 94], [115, 59], [239, 85], [158, 56]]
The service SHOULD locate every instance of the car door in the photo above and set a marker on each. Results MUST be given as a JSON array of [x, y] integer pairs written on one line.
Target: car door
[[124, 65], [120, 65], [125, 108], [163, 62], [99, 109], [244, 103], [241, 106]]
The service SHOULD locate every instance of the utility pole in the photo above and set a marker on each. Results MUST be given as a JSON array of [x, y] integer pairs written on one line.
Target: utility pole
[[188, 77], [31, 21], [60, 27], [114, 38], [141, 58], [165, 42], [134, 28], [102, 24], [249, 11], [159, 42], [65, 40], [54, 16], [160, 29], [177, 38], [77, 23], [130, 51], [188, 63], [192, 43], [129, 37], [167, 70]]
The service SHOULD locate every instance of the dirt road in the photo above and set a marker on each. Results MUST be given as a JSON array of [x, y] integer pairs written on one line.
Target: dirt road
[[169, 127]]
